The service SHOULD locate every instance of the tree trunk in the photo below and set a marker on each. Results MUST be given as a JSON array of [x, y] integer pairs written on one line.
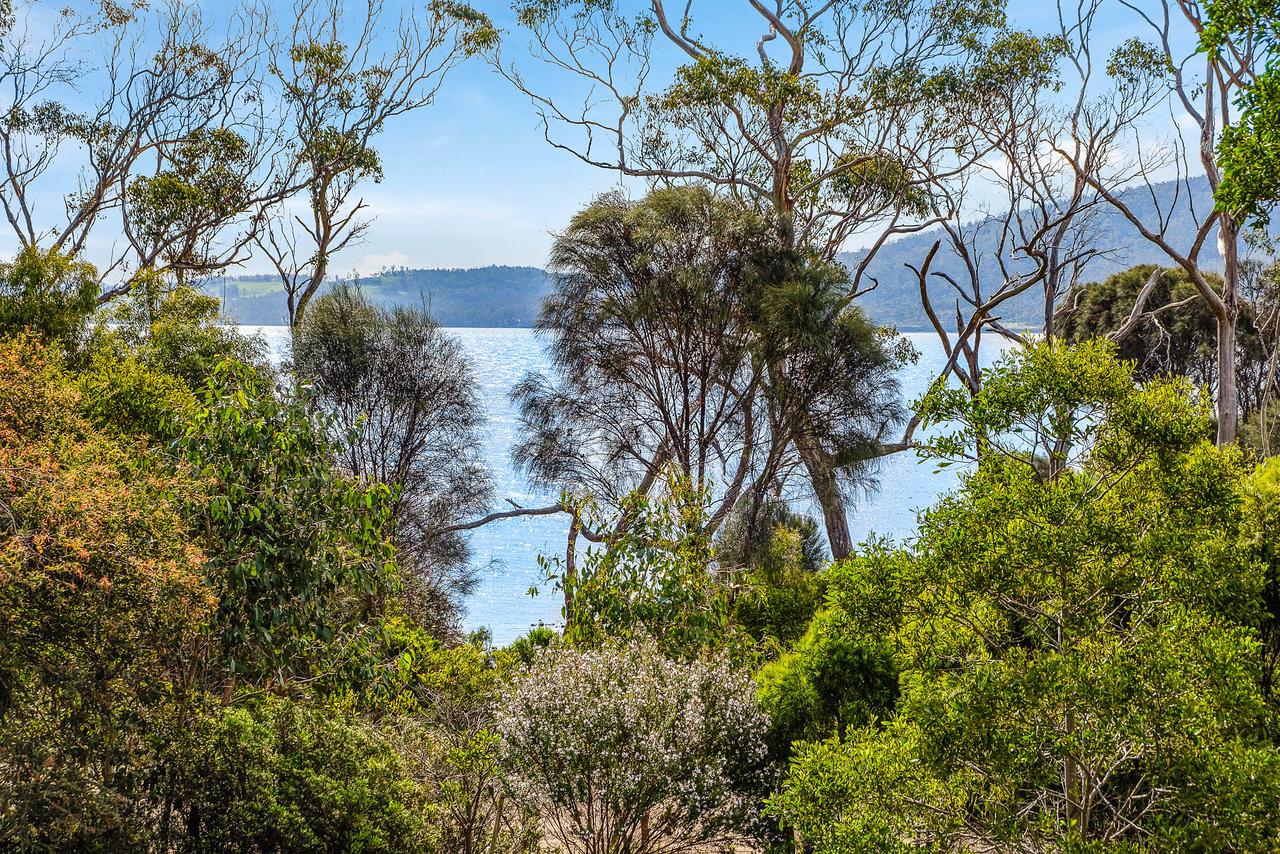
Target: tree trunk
[[570, 580], [1227, 315], [827, 489], [1227, 386]]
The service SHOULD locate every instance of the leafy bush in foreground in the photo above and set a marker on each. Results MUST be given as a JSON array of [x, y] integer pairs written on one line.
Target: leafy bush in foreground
[[1076, 631]]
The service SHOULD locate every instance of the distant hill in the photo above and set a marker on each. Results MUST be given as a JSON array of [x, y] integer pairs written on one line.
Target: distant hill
[[896, 300], [511, 296], [483, 296]]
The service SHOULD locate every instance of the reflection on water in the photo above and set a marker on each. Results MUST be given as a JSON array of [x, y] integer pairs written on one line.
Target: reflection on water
[[508, 549]]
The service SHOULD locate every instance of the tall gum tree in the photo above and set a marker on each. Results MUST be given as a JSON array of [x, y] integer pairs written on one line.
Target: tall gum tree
[[1201, 89], [160, 116], [812, 122], [1022, 218]]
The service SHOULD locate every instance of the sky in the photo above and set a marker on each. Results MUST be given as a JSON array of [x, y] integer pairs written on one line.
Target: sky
[[470, 181]]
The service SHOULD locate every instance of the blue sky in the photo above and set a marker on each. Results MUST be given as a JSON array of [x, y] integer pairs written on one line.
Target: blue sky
[[470, 180]]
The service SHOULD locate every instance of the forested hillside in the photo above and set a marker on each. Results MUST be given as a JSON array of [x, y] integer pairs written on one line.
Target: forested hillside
[[511, 296], [484, 296], [896, 299]]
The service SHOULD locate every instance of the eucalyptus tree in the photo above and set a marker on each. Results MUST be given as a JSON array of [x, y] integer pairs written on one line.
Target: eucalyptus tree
[[813, 123], [164, 118], [648, 330], [683, 336], [1201, 88], [404, 412], [1040, 228], [807, 122], [1023, 218], [343, 78]]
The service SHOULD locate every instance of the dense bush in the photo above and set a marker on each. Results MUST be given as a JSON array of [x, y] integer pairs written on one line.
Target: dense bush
[[119, 729], [47, 294], [175, 330], [125, 395], [102, 612], [654, 579], [623, 749], [773, 557], [275, 775], [1076, 629], [838, 677], [296, 550]]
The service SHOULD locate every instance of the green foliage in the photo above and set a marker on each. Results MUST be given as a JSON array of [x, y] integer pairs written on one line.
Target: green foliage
[[204, 184], [849, 796], [128, 396], [1179, 341], [1249, 150], [473, 812], [276, 775], [448, 738], [651, 296], [780, 128], [831, 372], [653, 579], [175, 330], [874, 180], [102, 609], [775, 560], [47, 293], [293, 546], [525, 647], [1135, 60], [1260, 538], [837, 677], [1074, 632], [1054, 405]]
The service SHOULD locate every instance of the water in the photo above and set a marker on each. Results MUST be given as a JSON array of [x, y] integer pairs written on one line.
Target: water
[[507, 550]]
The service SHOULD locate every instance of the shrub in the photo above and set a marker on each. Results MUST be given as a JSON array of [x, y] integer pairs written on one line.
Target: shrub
[[176, 330], [654, 579], [1077, 632], [278, 775], [102, 608], [127, 396], [626, 750], [777, 559], [297, 552], [47, 294], [839, 676]]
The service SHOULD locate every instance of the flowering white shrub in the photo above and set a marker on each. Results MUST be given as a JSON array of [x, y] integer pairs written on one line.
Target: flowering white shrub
[[624, 750]]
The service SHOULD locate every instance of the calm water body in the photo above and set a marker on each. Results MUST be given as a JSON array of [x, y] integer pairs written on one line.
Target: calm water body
[[507, 550]]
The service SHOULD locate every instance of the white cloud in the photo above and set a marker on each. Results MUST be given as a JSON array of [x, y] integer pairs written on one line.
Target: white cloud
[[371, 264]]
